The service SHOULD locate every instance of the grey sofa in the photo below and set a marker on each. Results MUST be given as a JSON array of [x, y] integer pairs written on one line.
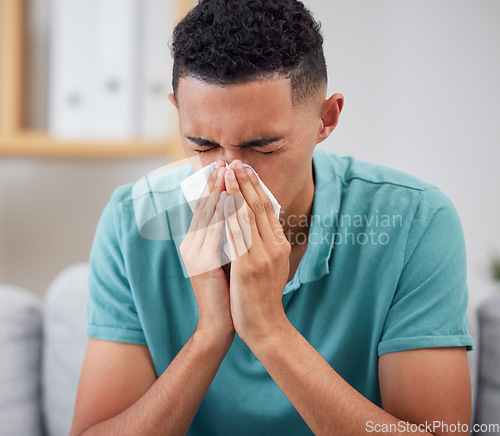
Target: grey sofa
[[42, 346]]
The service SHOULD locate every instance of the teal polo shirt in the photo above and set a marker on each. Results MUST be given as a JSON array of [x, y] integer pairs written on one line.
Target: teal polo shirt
[[384, 271]]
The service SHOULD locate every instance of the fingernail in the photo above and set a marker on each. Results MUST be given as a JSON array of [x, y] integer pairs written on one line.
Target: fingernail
[[219, 175], [220, 203], [249, 171], [230, 200], [239, 165], [230, 173]]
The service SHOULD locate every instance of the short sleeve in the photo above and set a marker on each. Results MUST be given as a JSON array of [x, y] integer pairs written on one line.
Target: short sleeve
[[430, 303], [111, 311]]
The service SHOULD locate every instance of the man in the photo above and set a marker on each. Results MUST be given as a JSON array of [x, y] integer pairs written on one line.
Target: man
[[358, 327]]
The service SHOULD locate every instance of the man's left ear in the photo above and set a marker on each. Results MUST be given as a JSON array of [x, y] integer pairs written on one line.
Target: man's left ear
[[172, 100], [330, 113]]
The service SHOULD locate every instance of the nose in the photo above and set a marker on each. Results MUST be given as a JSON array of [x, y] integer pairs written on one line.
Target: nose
[[231, 154]]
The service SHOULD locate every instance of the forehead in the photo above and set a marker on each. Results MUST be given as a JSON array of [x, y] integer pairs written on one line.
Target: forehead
[[243, 106]]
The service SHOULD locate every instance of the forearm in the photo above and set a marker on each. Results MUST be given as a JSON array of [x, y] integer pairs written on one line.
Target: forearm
[[326, 402], [170, 404]]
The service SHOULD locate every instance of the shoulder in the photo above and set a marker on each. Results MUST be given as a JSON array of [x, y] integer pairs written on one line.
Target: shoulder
[[349, 169], [371, 183], [139, 208], [164, 180]]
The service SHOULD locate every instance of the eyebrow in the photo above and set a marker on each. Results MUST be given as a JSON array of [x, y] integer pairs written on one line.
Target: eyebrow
[[202, 142]]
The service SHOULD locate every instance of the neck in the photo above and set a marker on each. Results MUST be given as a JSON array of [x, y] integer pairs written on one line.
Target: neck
[[297, 218]]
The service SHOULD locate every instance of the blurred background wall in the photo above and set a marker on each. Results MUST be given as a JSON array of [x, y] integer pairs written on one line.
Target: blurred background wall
[[420, 81]]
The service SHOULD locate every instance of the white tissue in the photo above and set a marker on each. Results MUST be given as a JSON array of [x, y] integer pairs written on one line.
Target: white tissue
[[193, 187]]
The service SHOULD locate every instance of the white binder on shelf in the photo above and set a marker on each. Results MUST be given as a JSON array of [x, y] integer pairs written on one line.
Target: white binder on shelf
[[94, 69], [117, 68], [157, 115], [71, 61]]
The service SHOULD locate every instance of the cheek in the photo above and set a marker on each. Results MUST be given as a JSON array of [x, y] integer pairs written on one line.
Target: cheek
[[197, 160], [281, 181], [291, 181]]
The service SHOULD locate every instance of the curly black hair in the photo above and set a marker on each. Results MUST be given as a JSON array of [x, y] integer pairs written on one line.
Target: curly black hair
[[227, 42]]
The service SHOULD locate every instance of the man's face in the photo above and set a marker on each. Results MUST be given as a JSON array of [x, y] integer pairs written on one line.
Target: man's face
[[256, 123]]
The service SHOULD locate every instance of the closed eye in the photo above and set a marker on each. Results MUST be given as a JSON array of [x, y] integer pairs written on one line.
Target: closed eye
[[252, 144], [210, 149]]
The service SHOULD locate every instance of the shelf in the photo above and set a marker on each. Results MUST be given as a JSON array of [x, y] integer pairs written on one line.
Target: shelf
[[16, 140], [41, 144]]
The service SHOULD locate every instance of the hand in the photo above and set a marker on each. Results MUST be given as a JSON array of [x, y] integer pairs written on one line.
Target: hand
[[201, 255], [261, 252]]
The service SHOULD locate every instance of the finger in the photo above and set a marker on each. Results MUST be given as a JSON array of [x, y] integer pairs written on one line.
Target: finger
[[268, 205], [205, 208], [206, 203], [214, 229], [245, 214], [220, 217], [219, 182], [209, 244], [211, 202], [202, 199], [234, 233], [246, 220], [245, 187], [205, 194]]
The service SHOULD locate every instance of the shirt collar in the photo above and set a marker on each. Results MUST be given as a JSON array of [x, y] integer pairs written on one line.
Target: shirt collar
[[323, 222]]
